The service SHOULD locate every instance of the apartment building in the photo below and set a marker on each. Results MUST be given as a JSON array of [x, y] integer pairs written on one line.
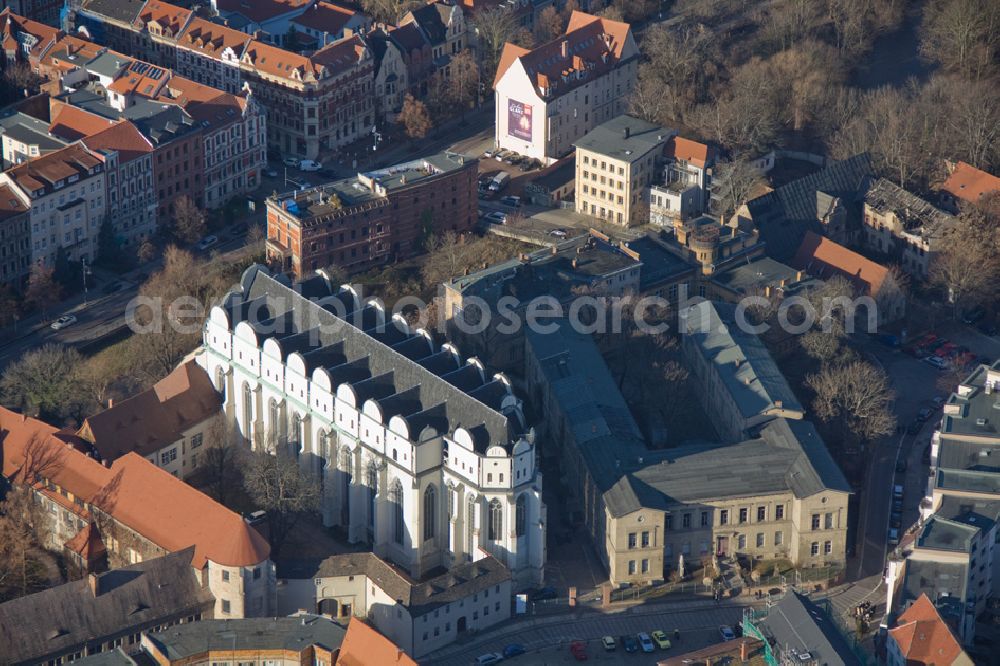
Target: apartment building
[[140, 512], [616, 162], [392, 80], [24, 40], [128, 166], [167, 424], [325, 22], [904, 228], [64, 64], [104, 612], [377, 216], [110, 23], [966, 185], [316, 103], [419, 617], [443, 25], [420, 454], [156, 29], [687, 182], [15, 238], [210, 53], [922, 637], [66, 189], [24, 137], [737, 380], [280, 641], [549, 97], [776, 494], [271, 18], [43, 11]]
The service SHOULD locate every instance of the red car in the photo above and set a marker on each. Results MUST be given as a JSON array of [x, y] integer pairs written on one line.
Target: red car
[[945, 350], [579, 650]]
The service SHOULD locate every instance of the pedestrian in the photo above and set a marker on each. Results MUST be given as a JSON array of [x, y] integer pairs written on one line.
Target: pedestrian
[[677, 635]]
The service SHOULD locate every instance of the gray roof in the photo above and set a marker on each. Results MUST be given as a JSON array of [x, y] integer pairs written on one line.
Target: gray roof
[[487, 411], [784, 215], [63, 618], [976, 414], [294, 634], [31, 131], [753, 275], [945, 584], [746, 368], [107, 64], [659, 265], [609, 138], [938, 533], [973, 481], [980, 513], [115, 657], [125, 11], [419, 597], [798, 625], [918, 216]]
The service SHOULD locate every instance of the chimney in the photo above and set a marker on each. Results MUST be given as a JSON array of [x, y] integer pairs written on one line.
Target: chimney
[[111, 403], [574, 263], [564, 49], [628, 132], [93, 582], [744, 652], [779, 404]]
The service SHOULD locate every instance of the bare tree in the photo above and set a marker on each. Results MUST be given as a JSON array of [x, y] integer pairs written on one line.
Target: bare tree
[[968, 265], [737, 181], [145, 252], [463, 82], [962, 35], [275, 482], [188, 224], [495, 27], [43, 289], [45, 382], [549, 25], [856, 397], [10, 305], [388, 11], [221, 461], [20, 572], [415, 118]]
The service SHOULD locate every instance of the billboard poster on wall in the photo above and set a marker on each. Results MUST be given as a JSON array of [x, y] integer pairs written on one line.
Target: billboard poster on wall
[[519, 120]]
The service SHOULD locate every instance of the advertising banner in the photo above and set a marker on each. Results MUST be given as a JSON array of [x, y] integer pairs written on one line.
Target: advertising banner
[[519, 120]]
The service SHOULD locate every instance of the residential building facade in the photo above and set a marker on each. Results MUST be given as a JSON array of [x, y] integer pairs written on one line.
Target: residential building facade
[[921, 637], [210, 53], [368, 220], [422, 456], [15, 238], [551, 96], [687, 182], [67, 193]]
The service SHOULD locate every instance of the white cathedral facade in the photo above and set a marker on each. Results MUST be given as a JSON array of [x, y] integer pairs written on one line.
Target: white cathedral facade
[[422, 455]]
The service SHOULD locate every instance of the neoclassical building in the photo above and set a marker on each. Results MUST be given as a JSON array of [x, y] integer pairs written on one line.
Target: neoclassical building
[[419, 453]]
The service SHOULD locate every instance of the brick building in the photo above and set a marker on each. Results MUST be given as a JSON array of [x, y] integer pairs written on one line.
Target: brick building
[[209, 53], [15, 238], [368, 220]]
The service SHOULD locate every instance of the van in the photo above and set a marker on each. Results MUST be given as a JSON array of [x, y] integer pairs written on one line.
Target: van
[[310, 165], [897, 492], [499, 181]]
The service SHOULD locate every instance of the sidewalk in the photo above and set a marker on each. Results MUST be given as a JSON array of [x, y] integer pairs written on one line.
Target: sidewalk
[[516, 626]]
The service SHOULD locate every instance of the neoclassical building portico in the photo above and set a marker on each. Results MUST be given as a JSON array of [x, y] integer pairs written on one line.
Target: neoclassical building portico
[[417, 452]]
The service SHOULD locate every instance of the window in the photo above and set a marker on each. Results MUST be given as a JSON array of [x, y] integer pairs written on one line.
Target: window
[[814, 549], [372, 493], [827, 547], [760, 539], [724, 517], [686, 520], [828, 521], [669, 522], [645, 539], [396, 501], [631, 567], [225, 606], [779, 512], [519, 516], [704, 518], [168, 457], [631, 539], [778, 538], [225, 576], [741, 542], [744, 515], [815, 521], [645, 566], [761, 514], [196, 440], [430, 509], [496, 520]]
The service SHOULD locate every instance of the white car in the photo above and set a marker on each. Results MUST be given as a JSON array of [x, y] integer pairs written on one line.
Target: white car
[[290, 161], [558, 233], [645, 642], [63, 322], [271, 173], [497, 217], [207, 242], [937, 362], [488, 659], [309, 165]]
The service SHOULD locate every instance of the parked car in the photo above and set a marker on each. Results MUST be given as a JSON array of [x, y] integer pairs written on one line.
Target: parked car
[[500, 154], [511, 200], [497, 217], [488, 659], [489, 154], [207, 242], [630, 644], [937, 362], [290, 161], [661, 640], [271, 173], [310, 165], [558, 233], [923, 414], [256, 517], [500, 181], [897, 491], [727, 632], [896, 520], [645, 642], [893, 536], [545, 594], [62, 322], [901, 465], [609, 643], [579, 650], [512, 650], [926, 457], [897, 505]]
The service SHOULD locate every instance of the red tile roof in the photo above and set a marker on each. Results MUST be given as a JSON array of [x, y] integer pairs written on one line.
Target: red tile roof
[[970, 184], [170, 18], [141, 78], [123, 137], [11, 23], [685, 149], [821, 257], [87, 543], [135, 492], [42, 173], [70, 53], [212, 39], [260, 10], [923, 637], [71, 123], [598, 43], [325, 17], [155, 418], [330, 59], [364, 646], [10, 204]]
